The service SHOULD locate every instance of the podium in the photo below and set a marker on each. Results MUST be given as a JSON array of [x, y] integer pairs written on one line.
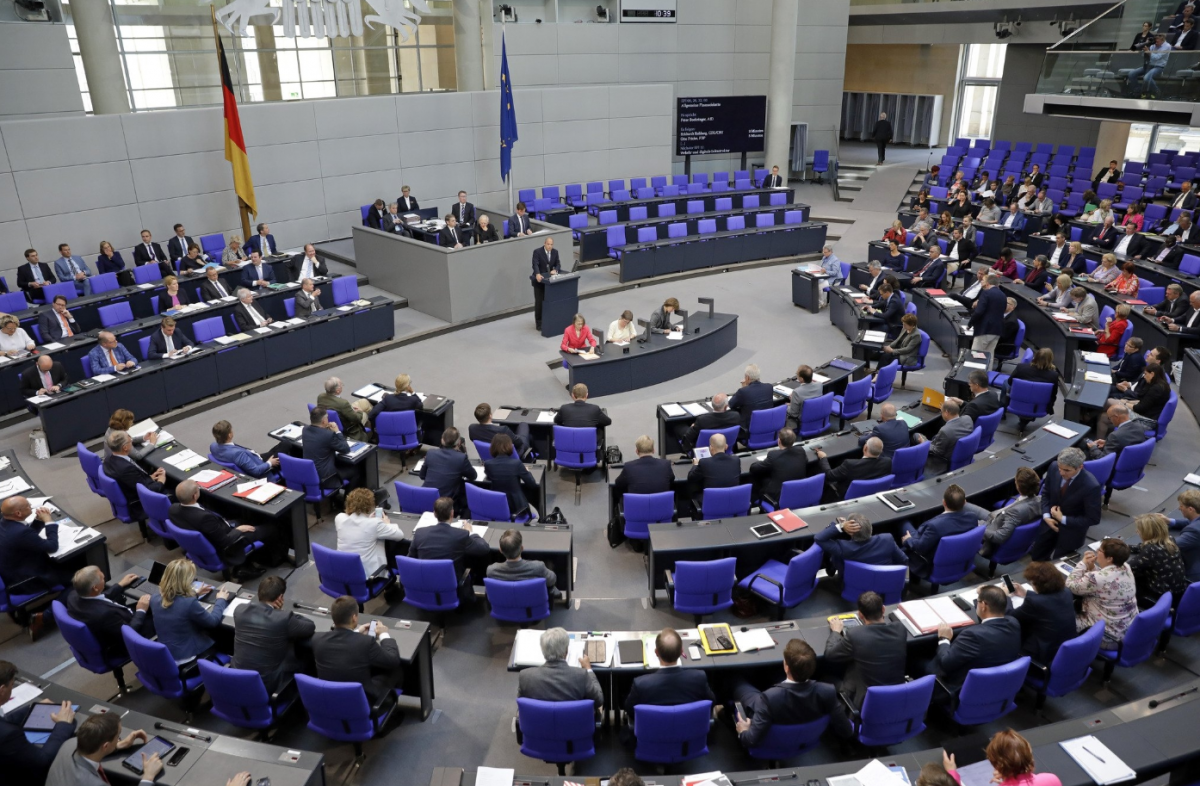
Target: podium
[[561, 303]]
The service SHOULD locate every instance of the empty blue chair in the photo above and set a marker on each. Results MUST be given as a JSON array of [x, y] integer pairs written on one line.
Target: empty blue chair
[[342, 712], [608, 217], [989, 694], [144, 346], [908, 464], [887, 580], [300, 474], [89, 462], [765, 425], [557, 731], [415, 499], [620, 195], [521, 602], [240, 698], [794, 494], [51, 291], [700, 588], [734, 223], [116, 500], [706, 226], [786, 586], [615, 238], [638, 213], [148, 274], [725, 503], [342, 573], [764, 220], [429, 584], [644, 193], [642, 510], [526, 195], [658, 183], [1185, 620], [677, 230], [741, 174], [671, 734], [1029, 400], [891, 714], [157, 507], [695, 206], [793, 217], [986, 425], [788, 740], [955, 557], [647, 234], [214, 245], [777, 199], [820, 164], [208, 329], [159, 673], [1015, 548], [1130, 467], [345, 290], [1102, 468], [750, 202], [885, 381], [815, 415], [484, 449], [83, 645], [595, 190], [103, 282], [730, 434], [1164, 418], [723, 204], [865, 488], [577, 222], [12, 302], [671, 190], [20, 606], [1140, 639], [965, 450], [115, 314], [575, 448], [666, 210], [852, 403], [573, 195], [487, 505], [552, 193], [397, 431], [719, 187]]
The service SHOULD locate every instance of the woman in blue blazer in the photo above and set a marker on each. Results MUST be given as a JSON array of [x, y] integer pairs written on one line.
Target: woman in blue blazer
[[180, 620], [508, 475], [110, 260]]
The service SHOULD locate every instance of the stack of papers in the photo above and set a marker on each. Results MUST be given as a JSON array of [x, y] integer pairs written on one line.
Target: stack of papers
[[527, 648], [13, 486], [233, 605], [70, 536], [22, 694], [674, 410], [753, 639], [926, 615], [872, 336], [186, 461], [949, 302], [546, 416], [494, 776], [1060, 431], [1096, 376], [821, 378], [1096, 357], [909, 419], [675, 335], [696, 409], [876, 773], [368, 391], [103, 377], [1100, 763], [973, 364]]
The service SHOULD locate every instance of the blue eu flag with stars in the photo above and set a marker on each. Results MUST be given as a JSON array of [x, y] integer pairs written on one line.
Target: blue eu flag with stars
[[508, 114]]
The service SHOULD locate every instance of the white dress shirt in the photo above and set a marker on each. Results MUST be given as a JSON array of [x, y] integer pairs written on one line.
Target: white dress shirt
[[362, 535], [17, 341]]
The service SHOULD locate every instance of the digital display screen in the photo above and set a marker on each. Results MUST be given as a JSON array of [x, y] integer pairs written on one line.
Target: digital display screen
[[720, 124], [648, 11]]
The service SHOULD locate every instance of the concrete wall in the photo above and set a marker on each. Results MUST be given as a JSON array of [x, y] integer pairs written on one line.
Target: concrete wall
[[922, 69], [87, 179], [37, 74], [1022, 65]]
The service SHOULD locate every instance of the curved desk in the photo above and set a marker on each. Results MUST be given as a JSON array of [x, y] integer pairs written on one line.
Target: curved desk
[[660, 359], [693, 252]]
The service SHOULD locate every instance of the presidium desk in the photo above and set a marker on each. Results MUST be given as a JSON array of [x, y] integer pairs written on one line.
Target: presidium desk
[[457, 285]]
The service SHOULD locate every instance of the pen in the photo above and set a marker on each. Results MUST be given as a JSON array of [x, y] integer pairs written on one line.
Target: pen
[[1089, 750]]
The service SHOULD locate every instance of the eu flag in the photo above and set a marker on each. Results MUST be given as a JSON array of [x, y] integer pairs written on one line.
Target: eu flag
[[508, 114]]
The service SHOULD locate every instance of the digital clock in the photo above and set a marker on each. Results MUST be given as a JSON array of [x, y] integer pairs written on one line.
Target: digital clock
[[649, 11]]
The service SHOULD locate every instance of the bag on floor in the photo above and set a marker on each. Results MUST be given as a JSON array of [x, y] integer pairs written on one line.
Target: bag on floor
[[615, 532], [613, 455], [554, 517], [39, 446]]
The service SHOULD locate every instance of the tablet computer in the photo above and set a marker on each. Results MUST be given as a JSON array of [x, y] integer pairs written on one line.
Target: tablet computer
[[156, 745], [39, 717], [765, 530]]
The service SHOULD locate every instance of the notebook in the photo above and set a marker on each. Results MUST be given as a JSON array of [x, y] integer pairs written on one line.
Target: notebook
[[927, 615]]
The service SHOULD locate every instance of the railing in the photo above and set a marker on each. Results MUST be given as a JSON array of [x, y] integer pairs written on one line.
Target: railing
[[1103, 74]]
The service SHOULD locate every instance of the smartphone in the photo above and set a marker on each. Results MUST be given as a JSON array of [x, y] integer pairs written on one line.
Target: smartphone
[[156, 745], [1008, 583], [741, 711], [378, 513], [694, 652], [375, 623]]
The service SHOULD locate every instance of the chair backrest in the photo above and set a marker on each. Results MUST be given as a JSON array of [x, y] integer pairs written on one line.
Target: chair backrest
[[965, 450], [1186, 619], [517, 601], [695, 206], [706, 226], [764, 220], [526, 195], [666, 735], [704, 587], [147, 274], [214, 245], [658, 181], [908, 464], [765, 425], [820, 160], [647, 234], [144, 346], [429, 584], [345, 290], [116, 497], [615, 236], [735, 223], [90, 463], [238, 695], [887, 580], [196, 548], [892, 714], [156, 507], [638, 213], [1029, 399], [721, 503], [644, 192], [1131, 464], [1190, 264], [955, 556], [557, 731], [885, 380], [854, 400], [415, 499], [730, 434], [80, 640], [1142, 636], [802, 493], [337, 710], [156, 669], [750, 201], [788, 740], [115, 314], [577, 221], [484, 449], [677, 230], [801, 577], [64, 288], [575, 447], [793, 217], [642, 510], [671, 190], [1165, 417], [1017, 545], [12, 302], [863, 488], [208, 329], [988, 694], [300, 474], [666, 210], [595, 187], [552, 192], [487, 505], [103, 282], [815, 414], [341, 573], [608, 217]]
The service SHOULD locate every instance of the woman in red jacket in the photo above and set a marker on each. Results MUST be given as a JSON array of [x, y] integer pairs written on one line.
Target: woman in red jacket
[[1005, 265], [1114, 332], [896, 233], [578, 338]]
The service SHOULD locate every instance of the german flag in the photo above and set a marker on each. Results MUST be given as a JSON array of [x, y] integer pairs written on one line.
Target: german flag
[[235, 145]]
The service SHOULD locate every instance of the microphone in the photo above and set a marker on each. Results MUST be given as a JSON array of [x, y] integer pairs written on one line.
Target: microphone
[[305, 607], [186, 732], [1157, 702]]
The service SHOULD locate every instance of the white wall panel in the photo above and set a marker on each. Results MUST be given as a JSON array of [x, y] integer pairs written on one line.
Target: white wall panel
[[441, 182], [575, 103], [706, 12], [290, 201], [353, 117], [283, 163], [25, 93], [649, 68], [576, 136], [83, 232], [302, 230], [641, 100], [14, 239], [361, 154], [638, 131], [350, 192], [151, 134], [418, 112], [46, 192], [278, 123], [448, 146], [587, 69], [10, 205], [65, 142], [200, 214], [177, 176], [575, 167]]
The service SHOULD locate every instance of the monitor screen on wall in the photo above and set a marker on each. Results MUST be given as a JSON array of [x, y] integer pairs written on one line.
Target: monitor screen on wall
[[648, 11], [720, 124]]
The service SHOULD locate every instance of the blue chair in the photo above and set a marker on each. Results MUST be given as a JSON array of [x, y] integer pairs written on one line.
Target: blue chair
[[160, 674], [989, 694], [487, 505], [887, 580], [606, 217], [642, 510], [521, 602], [208, 329], [334, 417], [1140, 639], [1130, 467], [965, 449], [919, 362], [638, 213], [725, 503], [214, 245], [795, 494], [764, 220], [147, 274], [865, 488], [83, 645], [1015, 548], [666, 210], [364, 211], [885, 381], [526, 195], [573, 195], [557, 731], [197, 548], [429, 584], [891, 714], [484, 449], [117, 501], [345, 290], [90, 463], [1101, 468], [820, 165], [157, 507], [986, 425], [86, 362], [668, 735], [730, 434], [1164, 418], [144, 346], [239, 697], [575, 448], [342, 573], [13, 302], [115, 314], [104, 282], [954, 557], [851, 404], [615, 237], [786, 586], [414, 499], [765, 425], [577, 222], [677, 230], [700, 588], [815, 416], [300, 474], [20, 606], [908, 464], [1029, 400], [1185, 620], [51, 291], [397, 431], [341, 711], [788, 740]]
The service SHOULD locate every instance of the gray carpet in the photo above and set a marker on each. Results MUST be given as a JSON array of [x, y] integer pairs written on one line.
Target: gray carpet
[[884, 189]]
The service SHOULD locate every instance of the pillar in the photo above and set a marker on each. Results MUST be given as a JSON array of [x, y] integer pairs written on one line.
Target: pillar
[[468, 45], [1111, 142], [785, 15], [379, 63], [97, 36], [491, 76], [268, 63]]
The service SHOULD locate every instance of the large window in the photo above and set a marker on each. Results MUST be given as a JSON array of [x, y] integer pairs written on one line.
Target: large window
[[979, 85], [1147, 138]]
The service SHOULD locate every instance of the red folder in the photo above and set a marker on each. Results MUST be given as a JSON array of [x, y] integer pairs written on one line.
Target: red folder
[[936, 292], [218, 480], [787, 520]]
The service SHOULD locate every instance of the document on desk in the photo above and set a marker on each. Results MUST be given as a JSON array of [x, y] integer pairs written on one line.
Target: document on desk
[[103, 377], [1099, 358], [186, 460], [978, 774], [290, 431], [753, 639], [972, 364], [949, 302], [37, 399], [1060, 431], [1095, 376], [1192, 478], [53, 345], [368, 391], [494, 776], [264, 329], [675, 335], [13, 486], [224, 340], [70, 536], [673, 410], [546, 416], [233, 606], [821, 378], [874, 337], [480, 473], [1101, 764], [22, 694], [696, 409], [527, 648], [293, 321]]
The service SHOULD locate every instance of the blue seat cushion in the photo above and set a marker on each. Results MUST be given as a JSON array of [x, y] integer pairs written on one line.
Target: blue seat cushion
[[766, 590]]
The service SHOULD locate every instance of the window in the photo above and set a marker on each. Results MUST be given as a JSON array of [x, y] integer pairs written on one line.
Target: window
[[979, 86], [1147, 138]]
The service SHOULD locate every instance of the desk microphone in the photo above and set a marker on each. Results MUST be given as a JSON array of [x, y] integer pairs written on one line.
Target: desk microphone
[[318, 609], [186, 732], [1157, 702]]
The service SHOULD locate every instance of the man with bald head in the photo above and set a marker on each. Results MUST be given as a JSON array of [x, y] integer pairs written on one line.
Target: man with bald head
[[873, 464], [228, 539], [720, 417], [129, 475], [25, 564], [110, 355], [669, 685], [954, 427], [720, 470], [891, 432], [102, 609], [47, 376]]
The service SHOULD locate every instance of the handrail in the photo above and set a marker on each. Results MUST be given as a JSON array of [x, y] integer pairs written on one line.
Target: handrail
[[1084, 27]]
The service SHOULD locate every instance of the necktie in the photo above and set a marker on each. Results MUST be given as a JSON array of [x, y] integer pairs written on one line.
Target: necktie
[[454, 235], [462, 212], [170, 343], [1062, 492], [149, 252], [112, 357], [71, 262], [37, 272], [307, 270], [220, 288], [46, 382], [103, 777], [66, 325], [258, 320]]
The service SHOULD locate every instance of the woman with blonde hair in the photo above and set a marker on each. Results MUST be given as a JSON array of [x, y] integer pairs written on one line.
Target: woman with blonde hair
[[233, 254], [180, 620], [1060, 295], [896, 233], [402, 400], [1156, 563], [13, 338], [1011, 757], [172, 297]]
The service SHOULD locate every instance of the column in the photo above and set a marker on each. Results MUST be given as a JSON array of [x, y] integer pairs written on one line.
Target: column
[[377, 64], [468, 45], [1110, 143], [97, 36], [785, 15], [268, 63]]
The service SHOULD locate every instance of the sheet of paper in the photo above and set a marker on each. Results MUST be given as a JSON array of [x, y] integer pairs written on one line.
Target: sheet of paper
[[428, 519], [233, 606], [673, 410], [480, 473], [920, 612], [675, 335], [13, 486], [1097, 760], [949, 611], [223, 340], [876, 773], [205, 475], [1192, 478], [753, 639], [1095, 376], [1060, 431], [494, 776], [949, 302], [820, 378], [545, 416], [972, 364], [874, 336], [244, 487], [53, 345], [695, 409], [265, 493], [37, 399], [368, 391], [978, 774], [103, 377], [527, 648], [262, 330], [1098, 358], [22, 694]]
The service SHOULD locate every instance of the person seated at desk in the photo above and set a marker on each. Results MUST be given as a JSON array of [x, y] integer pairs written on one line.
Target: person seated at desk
[[234, 254], [797, 699], [69, 267], [984, 400], [394, 223], [1122, 432], [110, 355], [352, 653], [1106, 271], [905, 347], [803, 392], [451, 236], [452, 541], [925, 237], [111, 261], [1059, 297], [372, 537], [545, 264], [1182, 229], [995, 641], [922, 219], [754, 394], [407, 202], [932, 272], [832, 266], [920, 201], [1047, 615], [464, 212], [954, 427], [971, 292], [257, 273], [13, 338], [58, 322], [1059, 251], [955, 519], [1109, 339], [102, 609], [890, 310], [1173, 306], [1036, 274], [265, 635], [873, 652], [180, 620], [351, 417], [1128, 242], [23, 761], [1189, 323], [510, 477], [581, 414], [621, 330], [577, 337], [893, 261], [34, 275], [961, 207], [403, 400], [447, 468], [485, 232], [1156, 563], [990, 212], [80, 761], [123, 420], [1073, 263], [875, 271], [719, 470], [852, 539], [721, 417], [873, 464], [228, 539], [1106, 236], [1023, 509], [1131, 366], [667, 686], [249, 462], [1188, 539], [484, 430], [1127, 283], [1170, 255], [308, 264], [151, 253], [517, 568], [26, 566], [786, 462], [262, 241], [192, 262], [1105, 582], [376, 213], [212, 287], [47, 375], [177, 246], [1083, 307], [1012, 763], [555, 680], [960, 249], [646, 474], [1070, 506], [893, 433], [518, 223], [945, 221], [308, 299], [247, 314], [1151, 393], [323, 442], [896, 232], [1013, 222], [128, 475], [172, 297], [660, 321]]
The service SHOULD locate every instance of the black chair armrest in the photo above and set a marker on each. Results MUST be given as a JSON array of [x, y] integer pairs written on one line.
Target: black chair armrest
[[669, 580], [1042, 668], [288, 686], [854, 714], [778, 586], [774, 502], [465, 578]]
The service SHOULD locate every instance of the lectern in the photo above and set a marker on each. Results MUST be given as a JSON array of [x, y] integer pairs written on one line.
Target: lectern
[[561, 304]]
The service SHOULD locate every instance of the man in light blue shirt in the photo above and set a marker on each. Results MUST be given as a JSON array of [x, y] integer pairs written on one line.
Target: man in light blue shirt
[[833, 266], [110, 355], [1155, 63], [72, 268]]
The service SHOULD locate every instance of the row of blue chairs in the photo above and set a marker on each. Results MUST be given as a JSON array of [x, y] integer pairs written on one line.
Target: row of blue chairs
[[617, 239]]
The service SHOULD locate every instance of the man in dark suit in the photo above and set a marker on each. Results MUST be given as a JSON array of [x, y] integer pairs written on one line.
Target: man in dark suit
[[752, 395], [581, 414], [447, 468], [464, 211], [484, 430], [720, 417], [1132, 365], [1189, 323], [1110, 174], [1125, 432], [987, 317], [407, 202], [350, 653], [102, 609], [922, 542], [212, 287], [1106, 235], [25, 762], [308, 299], [323, 442], [1047, 615], [128, 475], [995, 641], [445, 540], [954, 427], [873, 464], [875, 271], [1170, 255], [646, 474], [852, 539], [720, 470], [669, 685], [510, 477], [798, 699], [787, 462], [247, 314], [57, 323], [1013, 222], [1070, 506], [330, 397], [263, 242], [308, 264], [1173, 306], [931, 273], [1185, 39], [1007, 345], [177, 246], [257, 273], [393, 222], [545, 264], [985, 401], [45, 376], [557, 681], [773, 180], [452, 235], [518, 223], [150, 252], [873, 652], [34, 275], [376, 213], [265, 635], [887, 310], [228, 539], [891, 432], [168, 341], [961, 249], [25, 564]]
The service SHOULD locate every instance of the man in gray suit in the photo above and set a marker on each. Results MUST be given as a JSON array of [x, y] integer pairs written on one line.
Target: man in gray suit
[[1085, 309], [79, 759], [873, 652], [1125, 433], [394, 222], [516, 568], [803, 392], [955, 428], [308, 299], [264, 635], [1025, 509], [556, 681]]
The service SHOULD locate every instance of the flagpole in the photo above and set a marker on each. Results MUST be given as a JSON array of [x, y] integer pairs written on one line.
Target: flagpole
[[243, 208], [512, 209]]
